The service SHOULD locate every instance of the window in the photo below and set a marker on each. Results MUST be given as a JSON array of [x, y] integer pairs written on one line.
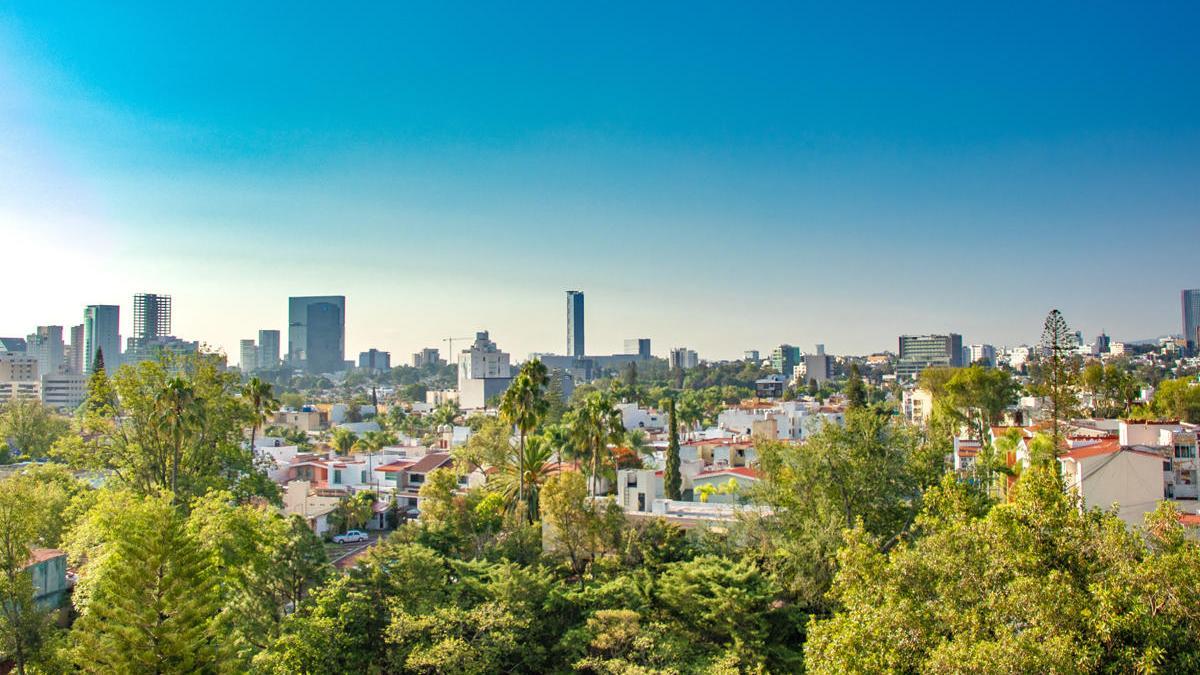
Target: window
[[416, 478], [337, 475], [1185, 452], [362, 476]]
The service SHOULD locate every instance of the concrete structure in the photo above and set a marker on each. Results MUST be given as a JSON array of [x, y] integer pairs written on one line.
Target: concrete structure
[[151, 348], [308, 419], [985, 354], [75, 361], [784, 360], [917, 406], [483, 372], [47, 569], [248, 356], [20, 391], [12, 344], [102, 334], [18, 367], [47, 346], [682, 358], [818, 366], [65, 391], [317, 333], [771, 386], [1190, 299], [268, 349], [427, 357], [638, 346], [373, 359], [1107, 474], [575, 345], [151, 318], [918, 352], [751, 355]]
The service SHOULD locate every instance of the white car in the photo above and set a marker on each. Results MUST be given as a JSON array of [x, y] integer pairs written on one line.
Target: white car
[[350, 537]]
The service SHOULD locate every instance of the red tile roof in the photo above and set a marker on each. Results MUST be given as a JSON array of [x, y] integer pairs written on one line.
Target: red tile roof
[[394, 466], [430, 462], [40, 555]]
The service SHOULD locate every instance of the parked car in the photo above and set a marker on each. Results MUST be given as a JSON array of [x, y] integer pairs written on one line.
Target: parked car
[[350, 537]]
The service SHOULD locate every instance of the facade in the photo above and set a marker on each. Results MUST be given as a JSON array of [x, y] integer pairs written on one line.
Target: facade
[[268, 349], [373, 359], [771, 386], [76, 351], [917, 405], [151, 317], [918, 352], [784, 360], [682, 358], [575, 345], [427, 357], [65, 391], [317, 333], [1191, 318], [18, 367], [638, 346], [20, 391], [483, 372], [46, 345], [248, 355], [101, 334], [12, 344], [1105, 473], [751, 355], [150, 348], [985, 354], [818, 366], [47, 569]]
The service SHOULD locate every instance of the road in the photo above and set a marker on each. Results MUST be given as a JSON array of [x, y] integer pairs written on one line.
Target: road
[[343, 555]]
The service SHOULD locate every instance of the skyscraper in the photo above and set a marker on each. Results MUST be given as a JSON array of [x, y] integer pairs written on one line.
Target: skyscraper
[[638, 346], [101, 333], [151, 317], [317, 333], [575, 323], [248, 357], [784, 360], [268, 349], [918, 352], [1191, 318], [46, 345], [75, 355]]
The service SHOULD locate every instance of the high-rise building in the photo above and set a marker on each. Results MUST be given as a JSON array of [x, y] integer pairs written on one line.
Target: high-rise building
[[484, 372], [76, 352], [751, 355], [46, 345], [818, 366], [317, 333], [985, 354], [575, 323], [1191, 318], [268, 349], [14, 345], [918, 352], [427, 357], [638, 346], [682, 358], [248, 358], [784, 360], [1103, 343], [102, 333], [151, 317], [373, 359]]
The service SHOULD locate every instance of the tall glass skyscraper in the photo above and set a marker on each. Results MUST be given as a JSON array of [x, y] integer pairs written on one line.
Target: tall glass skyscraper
[[101, 333], [268, 349], [317, 333], [575, 323], [1191, 318], [151, 317]]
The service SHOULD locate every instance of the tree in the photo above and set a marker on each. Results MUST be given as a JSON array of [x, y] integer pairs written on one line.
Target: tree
[[1177, 399], [491, 445], [672, 480], [343, 440], [24, 627], [856, 391], [535, 468], [979, 397], [594, 425], [354, 510], [149, 597], [1034, 585], [30, 428], [523, 406], [1056, 374], [580, 526], [262, 403]]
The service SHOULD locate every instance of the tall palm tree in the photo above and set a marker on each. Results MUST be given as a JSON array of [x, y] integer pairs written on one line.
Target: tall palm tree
[[558, 437], [538, 468], [178, 404], [523, 406], [262, 402], [595, 425], [343, 440], [372, 442]]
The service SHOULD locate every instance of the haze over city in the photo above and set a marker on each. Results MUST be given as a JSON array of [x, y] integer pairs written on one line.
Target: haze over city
[[793, 174]]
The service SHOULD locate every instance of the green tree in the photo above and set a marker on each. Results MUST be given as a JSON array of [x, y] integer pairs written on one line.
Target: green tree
[[1056, 374], [672, 480], [979, 396], [1177, 399], [523, 406], [580, 527], [262, 403], [594, 426], [343, 440], [24, 626], [30, 428], [353, 511], [856, 391]]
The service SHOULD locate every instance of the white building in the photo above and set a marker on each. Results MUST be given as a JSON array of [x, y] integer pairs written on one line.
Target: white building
[[636, 417], [484, 372], [65, 392], [1107, 474]]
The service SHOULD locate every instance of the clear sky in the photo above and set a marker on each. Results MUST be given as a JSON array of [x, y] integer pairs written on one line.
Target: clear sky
[[711, 175]]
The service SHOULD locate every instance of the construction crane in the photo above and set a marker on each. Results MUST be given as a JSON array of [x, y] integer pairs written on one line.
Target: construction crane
[[451, 340]]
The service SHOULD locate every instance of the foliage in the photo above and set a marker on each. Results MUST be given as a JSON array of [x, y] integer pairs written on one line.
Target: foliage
[[523, 406], [1177, 399], [1056, 373], [856, 391], [1113, 388], [672, 480], [594, 426], [582, 527], [29, 429], [24, 626]]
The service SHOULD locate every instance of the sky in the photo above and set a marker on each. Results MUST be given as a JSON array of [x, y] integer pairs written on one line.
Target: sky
[[721, 176]]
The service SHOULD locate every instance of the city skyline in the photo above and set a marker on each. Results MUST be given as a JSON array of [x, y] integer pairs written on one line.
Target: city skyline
[[821, 174]]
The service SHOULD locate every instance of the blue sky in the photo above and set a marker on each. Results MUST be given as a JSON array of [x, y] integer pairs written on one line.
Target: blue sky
[[720, 176]]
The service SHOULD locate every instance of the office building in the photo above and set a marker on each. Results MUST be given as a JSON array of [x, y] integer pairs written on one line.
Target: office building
[[101, 334], [373, 359], [575, 324], [784, 360], [1103, 343], [65, 391], [427, 357], [682, 358], [317, 333], [818, 366], [248, 356], [639, 347], [918, 352], [981, 354], [13, 345], [75, 350], [1191, 319], [18, 367], [268, 349], [151, 317], [752, 356], [484, 372], [46, 345]]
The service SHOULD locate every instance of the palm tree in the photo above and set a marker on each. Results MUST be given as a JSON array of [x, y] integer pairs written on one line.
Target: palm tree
[[523, 406], [638, 443], [371, 443], [262, 402], [343, 440], [558, 437], [595, 425], [537, 470], [353, 511], [446, 413], [179, 407]]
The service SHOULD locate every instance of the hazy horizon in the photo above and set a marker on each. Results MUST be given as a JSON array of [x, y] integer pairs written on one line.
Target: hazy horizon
[[720, 180]]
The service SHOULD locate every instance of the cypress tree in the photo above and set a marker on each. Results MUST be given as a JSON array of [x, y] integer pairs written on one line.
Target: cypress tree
[[856, 393], [672, 481]]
